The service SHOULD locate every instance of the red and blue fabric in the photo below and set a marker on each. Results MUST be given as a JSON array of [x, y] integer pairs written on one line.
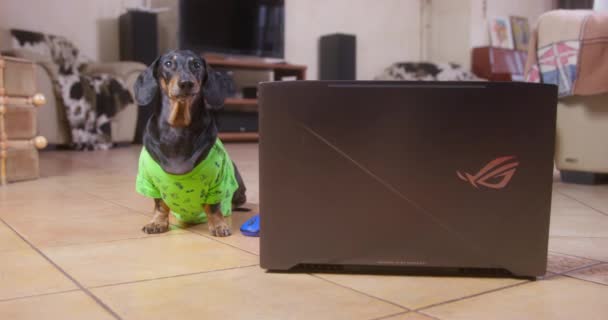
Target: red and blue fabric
[[558, 65]]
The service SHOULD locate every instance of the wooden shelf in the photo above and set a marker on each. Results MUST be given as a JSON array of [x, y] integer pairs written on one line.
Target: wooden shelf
[[251, 64], [280, 71], [242, 105], [241, 102], [498, 64], [239, 136]]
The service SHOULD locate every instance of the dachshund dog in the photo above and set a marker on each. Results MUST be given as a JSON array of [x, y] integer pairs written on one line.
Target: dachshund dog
[[183, 165]]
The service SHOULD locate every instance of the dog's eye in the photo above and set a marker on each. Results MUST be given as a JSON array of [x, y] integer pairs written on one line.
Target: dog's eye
[[196, 64], [168, 63]]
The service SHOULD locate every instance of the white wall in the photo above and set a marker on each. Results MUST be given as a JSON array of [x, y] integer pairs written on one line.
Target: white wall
[[449, 31], [91, 24], [600, 5], [387, 31], [530, 9], [456, 26]]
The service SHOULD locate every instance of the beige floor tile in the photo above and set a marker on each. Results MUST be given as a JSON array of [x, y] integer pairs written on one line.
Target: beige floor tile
[[559, 263], [237, 239], [598, 273], [579, 226], [95, 180], [134, 201], [560, 201], [26, 191], [409, 316], [107, 224], [25, 273], [9, 240], [124, 158], [574, 211], [79, 190], [591, 248], [245, 156], [418, 291], [16, 188], [594, 196], [51, 205], [556, 298], [245, 293], [65, 306], [147, 258], [61, 163], [548, 275], [112, 184]]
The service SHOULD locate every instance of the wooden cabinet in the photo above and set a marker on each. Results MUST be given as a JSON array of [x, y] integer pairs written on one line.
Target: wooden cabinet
[[498, 64], [18, 101]]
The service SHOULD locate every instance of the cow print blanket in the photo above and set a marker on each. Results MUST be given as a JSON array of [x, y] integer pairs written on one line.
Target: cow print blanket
[[425, 71], [90, 100]]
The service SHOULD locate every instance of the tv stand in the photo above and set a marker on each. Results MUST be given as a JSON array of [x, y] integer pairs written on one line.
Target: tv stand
[[245, 58], [280, 71]]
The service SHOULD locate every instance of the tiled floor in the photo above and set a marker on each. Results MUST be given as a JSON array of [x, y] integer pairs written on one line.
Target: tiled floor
[[71, 248]]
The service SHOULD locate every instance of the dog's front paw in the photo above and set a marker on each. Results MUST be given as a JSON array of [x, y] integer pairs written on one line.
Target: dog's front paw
[[156, 227], [221, 229]]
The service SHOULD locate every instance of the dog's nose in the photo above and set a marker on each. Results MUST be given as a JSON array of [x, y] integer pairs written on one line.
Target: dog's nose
[[186, 85]]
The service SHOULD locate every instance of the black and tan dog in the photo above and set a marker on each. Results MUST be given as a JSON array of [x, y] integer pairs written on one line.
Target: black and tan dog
[[183, 165]]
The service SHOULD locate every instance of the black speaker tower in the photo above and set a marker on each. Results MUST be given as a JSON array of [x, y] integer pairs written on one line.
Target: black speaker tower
[[138, 36], [337, 57], [139, 42]]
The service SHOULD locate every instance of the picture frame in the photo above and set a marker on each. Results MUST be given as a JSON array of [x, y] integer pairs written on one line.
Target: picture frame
[[501, 35], [521, 32]]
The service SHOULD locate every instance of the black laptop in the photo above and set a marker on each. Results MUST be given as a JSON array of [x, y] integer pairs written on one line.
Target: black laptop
[[406, 176]]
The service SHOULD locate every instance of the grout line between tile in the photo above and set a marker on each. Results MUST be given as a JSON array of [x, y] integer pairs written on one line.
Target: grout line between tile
[[472, 296], [583, 268], [549, 275], [579, 236], [575, 256], [579, 268], [67, 275], [110, 241], [119, 204], [581, 202], [427, 315], [228, 244], [587, 280], [361, 292], [172, 277], [391, 315], [38, 295]]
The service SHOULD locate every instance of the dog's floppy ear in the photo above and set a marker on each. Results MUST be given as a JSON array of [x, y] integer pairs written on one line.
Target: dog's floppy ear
[[215, 88], [146, 85]]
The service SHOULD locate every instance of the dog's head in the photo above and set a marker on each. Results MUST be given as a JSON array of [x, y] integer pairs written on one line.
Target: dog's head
[[187, 83]]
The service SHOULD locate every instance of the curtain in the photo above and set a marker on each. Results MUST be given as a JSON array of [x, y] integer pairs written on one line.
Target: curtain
[[600, 5], [575, 4]]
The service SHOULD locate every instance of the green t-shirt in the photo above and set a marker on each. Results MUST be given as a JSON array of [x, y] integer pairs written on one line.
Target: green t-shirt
[[211, 182]]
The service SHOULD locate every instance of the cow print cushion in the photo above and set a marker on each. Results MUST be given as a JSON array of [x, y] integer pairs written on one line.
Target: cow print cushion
[[90, 100], [424, 71]]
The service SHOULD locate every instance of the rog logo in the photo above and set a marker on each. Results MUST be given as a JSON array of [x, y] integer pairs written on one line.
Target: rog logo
[[495, 175]]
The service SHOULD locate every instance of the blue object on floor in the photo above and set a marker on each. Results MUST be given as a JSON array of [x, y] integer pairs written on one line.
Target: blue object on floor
[[251, 227]]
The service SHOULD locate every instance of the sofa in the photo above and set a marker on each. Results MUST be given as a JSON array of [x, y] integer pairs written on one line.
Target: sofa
[[569, 48], [581, 150], [52, 122]]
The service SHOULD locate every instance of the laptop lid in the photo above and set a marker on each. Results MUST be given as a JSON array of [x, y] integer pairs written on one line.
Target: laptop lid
[[433, 174]]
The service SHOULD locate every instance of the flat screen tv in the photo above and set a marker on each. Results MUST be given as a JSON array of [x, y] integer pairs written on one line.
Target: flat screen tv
[[235, 27]]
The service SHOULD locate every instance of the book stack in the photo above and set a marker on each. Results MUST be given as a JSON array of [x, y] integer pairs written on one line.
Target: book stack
[[19, 143]]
